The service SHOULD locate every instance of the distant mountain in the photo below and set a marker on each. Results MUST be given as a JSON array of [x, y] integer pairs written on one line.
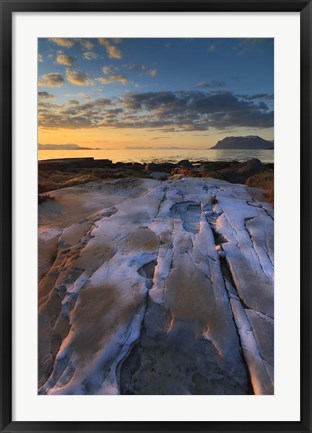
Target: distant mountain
[[248, 142], [63, 147]]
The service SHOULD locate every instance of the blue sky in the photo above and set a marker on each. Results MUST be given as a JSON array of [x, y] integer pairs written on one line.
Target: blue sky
[[199, 89]]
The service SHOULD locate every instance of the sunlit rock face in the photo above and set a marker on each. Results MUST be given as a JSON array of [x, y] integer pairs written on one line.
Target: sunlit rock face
[[156, 287]]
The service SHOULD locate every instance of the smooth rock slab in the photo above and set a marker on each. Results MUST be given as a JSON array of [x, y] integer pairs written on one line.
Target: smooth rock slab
[[135, 301]]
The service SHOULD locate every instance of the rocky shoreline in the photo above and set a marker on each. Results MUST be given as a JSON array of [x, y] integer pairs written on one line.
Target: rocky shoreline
[[154, 284], [59, 173]]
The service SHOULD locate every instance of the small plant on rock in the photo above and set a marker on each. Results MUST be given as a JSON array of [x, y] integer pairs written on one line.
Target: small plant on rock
[[213, 200]]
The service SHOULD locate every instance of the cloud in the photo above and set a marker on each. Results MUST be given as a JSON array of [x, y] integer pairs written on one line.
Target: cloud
[[152, 72], [113, 78], [73, 102], [143, 69], [46, 106], [137, 68], [63, 59], [112, 113], [266, 96], [162, 111], [211, 84], [86, 44], [45, 95], [70, 42], [212, 48], [112, 51], [90, 55], [40, 58], [116, 40], [246, 45], [53, 79], [193, 111], [107, 69], [269, 97], [82, 95], [62, 42], [78, 78], [74, 116]]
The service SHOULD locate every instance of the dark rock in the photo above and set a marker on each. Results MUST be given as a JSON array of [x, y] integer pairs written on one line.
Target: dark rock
[[239, 173], [212, 174], [101, 163], [151, 166], [166, 167], [215, 165], [72, 170], [185, 163], [137, 165], [120, 164], [251, 165], [159, 175], [129, 165], [73, 163]]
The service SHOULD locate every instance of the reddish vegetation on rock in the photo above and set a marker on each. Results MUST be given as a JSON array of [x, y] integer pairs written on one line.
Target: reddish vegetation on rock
[[185, 172], [269, 194]]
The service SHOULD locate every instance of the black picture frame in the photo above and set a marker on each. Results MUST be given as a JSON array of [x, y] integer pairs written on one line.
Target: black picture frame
[[8, 7]]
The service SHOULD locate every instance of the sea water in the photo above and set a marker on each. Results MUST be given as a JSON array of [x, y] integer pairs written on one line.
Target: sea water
[[161, 155]]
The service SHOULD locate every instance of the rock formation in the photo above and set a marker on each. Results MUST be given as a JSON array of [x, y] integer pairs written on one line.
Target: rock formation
[[156, 287], [248, 142]]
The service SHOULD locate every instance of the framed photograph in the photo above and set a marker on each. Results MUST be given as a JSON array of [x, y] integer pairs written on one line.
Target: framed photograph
[[155, 216]]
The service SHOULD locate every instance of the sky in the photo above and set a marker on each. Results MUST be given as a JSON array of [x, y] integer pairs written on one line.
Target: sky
[[154, 92]]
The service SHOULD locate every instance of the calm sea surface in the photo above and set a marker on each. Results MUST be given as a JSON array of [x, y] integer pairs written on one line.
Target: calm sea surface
[[161, 155]]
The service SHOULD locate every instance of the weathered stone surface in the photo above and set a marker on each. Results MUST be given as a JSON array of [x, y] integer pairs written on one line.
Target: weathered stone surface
[[156, 287], [263, 330]]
